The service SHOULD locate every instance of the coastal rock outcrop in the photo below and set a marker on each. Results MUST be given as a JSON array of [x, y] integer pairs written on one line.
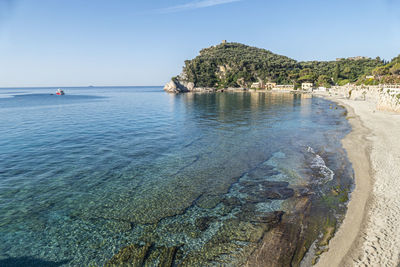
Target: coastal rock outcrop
[[178, 86]]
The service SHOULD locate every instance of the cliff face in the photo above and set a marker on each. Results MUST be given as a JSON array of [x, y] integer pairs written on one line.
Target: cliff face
[[178, 86], [383, 97], [389, 102]]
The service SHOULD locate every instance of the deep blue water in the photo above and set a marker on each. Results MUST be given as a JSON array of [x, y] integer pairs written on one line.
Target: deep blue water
[[85, 174]]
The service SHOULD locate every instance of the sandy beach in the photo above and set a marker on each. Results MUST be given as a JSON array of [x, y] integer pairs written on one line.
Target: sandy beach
[[370, 233]]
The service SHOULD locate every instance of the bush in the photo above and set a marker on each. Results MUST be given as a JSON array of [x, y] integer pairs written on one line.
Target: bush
[[343, 82]]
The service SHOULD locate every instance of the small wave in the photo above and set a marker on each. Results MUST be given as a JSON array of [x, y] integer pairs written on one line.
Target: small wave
[[318, 165]]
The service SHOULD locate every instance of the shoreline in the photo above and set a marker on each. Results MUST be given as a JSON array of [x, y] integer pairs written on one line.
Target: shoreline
[[346, 242], [369, 234]]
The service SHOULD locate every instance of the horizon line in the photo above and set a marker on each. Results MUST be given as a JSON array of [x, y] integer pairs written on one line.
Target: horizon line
[[85, 86]]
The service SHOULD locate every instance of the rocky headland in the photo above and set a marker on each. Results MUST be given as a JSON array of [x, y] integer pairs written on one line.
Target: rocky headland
[[238, 66], [180, 85]]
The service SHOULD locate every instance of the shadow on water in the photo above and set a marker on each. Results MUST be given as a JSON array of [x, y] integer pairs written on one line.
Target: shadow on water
[[28, 261]]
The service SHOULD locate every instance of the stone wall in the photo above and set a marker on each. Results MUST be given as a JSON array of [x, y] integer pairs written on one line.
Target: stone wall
[[386, 97]]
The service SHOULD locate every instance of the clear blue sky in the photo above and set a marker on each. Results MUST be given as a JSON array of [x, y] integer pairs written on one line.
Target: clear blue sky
[[138, 42]]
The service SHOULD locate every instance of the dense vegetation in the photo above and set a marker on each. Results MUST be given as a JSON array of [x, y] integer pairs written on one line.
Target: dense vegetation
[[388, 73], [240, 65], [326, 73], [236, 65]]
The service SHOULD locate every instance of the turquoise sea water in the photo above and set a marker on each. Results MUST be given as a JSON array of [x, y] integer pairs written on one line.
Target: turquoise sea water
[[88, 173]]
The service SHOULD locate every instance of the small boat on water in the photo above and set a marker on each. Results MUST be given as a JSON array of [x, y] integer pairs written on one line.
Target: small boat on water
[[60, 92]]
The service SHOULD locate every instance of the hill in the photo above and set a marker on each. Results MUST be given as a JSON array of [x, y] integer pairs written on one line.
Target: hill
[[234, 65], [237, 65]]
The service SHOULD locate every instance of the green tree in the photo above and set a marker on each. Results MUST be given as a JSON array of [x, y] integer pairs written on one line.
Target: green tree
[[395, 70], [336, 73], [324, 80]]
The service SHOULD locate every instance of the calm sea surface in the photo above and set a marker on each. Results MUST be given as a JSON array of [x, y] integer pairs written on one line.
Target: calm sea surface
[[88, 173]]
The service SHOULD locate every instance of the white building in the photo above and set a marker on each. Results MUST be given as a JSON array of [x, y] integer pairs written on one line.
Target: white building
[[259, 85]]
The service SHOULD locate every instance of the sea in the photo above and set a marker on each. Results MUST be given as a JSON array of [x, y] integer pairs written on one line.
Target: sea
[[175, 179]]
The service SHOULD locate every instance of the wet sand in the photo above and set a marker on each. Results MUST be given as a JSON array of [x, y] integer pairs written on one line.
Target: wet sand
[[370, 232]]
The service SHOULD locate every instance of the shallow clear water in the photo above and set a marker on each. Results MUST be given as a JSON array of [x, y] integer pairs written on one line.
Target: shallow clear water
[[85, 174]]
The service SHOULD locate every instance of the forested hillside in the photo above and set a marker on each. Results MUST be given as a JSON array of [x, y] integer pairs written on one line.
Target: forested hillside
[[237, 65], [387, 74]]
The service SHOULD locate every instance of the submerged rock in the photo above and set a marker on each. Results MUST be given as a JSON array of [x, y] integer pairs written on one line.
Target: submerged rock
[[252, 215], [230, 246], [133, 255], [208, 201], [281, 246], [167, 256], [231, 201], [147, 255], [203, 223], [259, 191], [270, 218]]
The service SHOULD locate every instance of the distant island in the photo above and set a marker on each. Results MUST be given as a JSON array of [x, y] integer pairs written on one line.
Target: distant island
[[235, 65]]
